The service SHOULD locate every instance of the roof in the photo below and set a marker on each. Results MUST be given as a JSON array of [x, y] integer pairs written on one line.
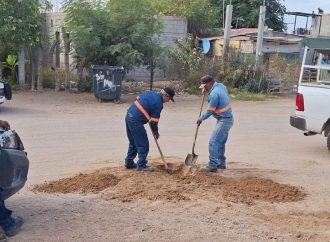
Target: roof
[[317, 43], [236, 32], [281, 39], [303, 14]]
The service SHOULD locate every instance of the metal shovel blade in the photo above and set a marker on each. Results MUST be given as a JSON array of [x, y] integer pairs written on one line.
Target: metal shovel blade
[[191, 159]]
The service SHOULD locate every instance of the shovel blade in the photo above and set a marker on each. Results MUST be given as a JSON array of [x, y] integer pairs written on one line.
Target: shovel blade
[[191, 159]]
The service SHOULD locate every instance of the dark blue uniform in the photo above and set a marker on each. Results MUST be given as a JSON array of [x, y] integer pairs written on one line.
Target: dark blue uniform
[[146, 108]]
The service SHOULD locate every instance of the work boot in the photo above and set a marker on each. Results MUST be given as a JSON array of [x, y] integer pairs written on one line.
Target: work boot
[[146, 168], [222, 167], [207, 169], [2, 236], [11, 228], [130, 166]]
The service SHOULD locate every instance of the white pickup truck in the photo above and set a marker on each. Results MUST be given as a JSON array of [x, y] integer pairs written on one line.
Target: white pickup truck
[[313, 96]]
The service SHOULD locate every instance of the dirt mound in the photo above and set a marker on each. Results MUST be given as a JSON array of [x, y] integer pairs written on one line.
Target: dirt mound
[[182, 184], [93, 182]]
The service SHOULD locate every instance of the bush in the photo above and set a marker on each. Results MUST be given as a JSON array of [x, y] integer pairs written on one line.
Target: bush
[[255, 86], [49, 80], [85, 84]]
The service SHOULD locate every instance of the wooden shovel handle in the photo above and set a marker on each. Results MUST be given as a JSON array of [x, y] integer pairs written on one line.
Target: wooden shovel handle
[[196, 132], [159, 149]]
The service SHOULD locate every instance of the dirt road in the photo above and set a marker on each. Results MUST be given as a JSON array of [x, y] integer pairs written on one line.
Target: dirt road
[[65, 134]]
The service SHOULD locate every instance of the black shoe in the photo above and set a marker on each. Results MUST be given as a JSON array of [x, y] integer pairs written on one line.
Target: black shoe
[[147, 169], [12, 228], [2, 236], [222, 167], [207, 169], [131, 166]]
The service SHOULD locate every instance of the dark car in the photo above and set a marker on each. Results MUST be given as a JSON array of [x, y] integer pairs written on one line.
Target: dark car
[[14, 164]]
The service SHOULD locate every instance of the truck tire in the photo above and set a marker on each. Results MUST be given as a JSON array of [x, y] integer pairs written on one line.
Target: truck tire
[[7, 90], [328, 142]]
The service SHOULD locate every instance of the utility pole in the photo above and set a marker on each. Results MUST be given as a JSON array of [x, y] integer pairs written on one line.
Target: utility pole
[[223, 14], [260, 37], [226, 38]]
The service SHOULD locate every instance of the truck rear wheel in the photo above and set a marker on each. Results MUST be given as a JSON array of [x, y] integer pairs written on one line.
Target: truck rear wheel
[[328, 142]]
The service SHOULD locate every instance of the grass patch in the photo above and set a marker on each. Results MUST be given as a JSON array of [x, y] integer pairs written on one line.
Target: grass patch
[[249, 96]]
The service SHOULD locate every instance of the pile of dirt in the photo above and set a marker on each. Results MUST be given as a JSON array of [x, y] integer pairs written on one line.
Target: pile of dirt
[[252, 188], [85, 183], [182, 184]]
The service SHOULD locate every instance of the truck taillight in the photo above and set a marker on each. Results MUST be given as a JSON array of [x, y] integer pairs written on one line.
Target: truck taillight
[[300, 102]]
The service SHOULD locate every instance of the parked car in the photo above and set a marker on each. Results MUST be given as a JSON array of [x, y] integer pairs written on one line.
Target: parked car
[[14, 164], [5, 91], [313, 96]]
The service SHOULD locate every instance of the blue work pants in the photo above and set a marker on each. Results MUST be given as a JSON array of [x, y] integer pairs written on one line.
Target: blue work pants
[[138, 141], [5, 215], [218, 141]]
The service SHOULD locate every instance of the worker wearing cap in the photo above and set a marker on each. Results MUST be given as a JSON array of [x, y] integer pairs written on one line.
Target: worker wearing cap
[[145, 109], [219, 107]]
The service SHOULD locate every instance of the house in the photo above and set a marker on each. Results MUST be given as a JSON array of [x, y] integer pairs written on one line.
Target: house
[[245, 40]]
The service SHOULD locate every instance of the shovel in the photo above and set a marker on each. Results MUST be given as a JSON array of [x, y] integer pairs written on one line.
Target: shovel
[[192, 158], [160, 151]]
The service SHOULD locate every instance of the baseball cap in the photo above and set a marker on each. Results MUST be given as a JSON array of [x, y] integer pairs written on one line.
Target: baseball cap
[[170, 91], [205, 79]]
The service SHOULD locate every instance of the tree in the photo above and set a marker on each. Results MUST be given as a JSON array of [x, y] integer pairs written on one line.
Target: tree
[[134, 26], [187, 56], [20, 25], [111, 32], [201, 15], [246, 13], [11, 63]]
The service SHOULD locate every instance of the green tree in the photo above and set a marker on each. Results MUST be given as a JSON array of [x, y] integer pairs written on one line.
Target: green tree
[[246, 13], [21, 23], [113, 32], [134, 26], [88, 24], [201, 15], [11, 63]]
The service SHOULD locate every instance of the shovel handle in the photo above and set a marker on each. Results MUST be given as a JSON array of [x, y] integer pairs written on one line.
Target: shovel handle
[[159, 149], [196, 132]]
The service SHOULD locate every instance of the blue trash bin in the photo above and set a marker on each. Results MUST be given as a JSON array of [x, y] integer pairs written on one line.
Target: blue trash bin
[[107, 82]]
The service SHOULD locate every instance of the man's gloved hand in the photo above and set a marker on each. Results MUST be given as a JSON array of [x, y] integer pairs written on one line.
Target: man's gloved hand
[[157, 136], [199, 122]]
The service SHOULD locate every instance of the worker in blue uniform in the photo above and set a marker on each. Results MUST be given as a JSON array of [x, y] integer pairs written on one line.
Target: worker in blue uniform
[[220, 108], [145, 109]]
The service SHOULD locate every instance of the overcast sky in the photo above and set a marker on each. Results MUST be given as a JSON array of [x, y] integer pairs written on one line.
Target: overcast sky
[[306, 6]]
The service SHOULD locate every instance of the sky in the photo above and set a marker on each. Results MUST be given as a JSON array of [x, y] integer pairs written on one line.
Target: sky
[[306, 6]]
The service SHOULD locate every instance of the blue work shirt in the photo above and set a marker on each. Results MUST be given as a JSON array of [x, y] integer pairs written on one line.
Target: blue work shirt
[[218, 103], [147, 107]]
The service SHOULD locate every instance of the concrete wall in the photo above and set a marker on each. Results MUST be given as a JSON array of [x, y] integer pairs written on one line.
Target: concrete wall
[[325, 25], [54, 22], [173, 28], [271, 47]]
